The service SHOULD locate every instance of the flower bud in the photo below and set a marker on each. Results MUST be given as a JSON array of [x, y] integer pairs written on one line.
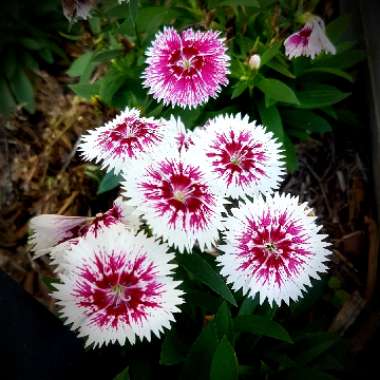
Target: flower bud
[[254, 62]]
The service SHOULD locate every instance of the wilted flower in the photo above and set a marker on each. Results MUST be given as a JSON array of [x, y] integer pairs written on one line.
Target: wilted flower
[[254, 62], [241, 154], [123, 140], [273, 248], [186, 68], [77, 9], [310, 41], [178, 199], [118, 286], [54, 234]]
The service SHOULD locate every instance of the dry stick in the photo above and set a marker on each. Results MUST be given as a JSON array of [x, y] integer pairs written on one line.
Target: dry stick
[[316, 177], [373, 253], [68, 202]]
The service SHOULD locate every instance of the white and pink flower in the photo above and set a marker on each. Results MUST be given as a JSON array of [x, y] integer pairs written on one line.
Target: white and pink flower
[[242, 155], [118, 286], [186, 68], [310, 41], [178, 198], [124, 140], [273, 247], [55, 234]]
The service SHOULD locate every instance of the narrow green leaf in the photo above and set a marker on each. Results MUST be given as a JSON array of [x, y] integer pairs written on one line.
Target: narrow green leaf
[[7, 102], [277, 90], [109, 85], [261, 326], [336, 28], [23, 91], [235, 3], [342, 60], [320, 95], [223, 321], [271, 119], [107, 55], [109, 181], [224, 364], [173, 350], [198, 362], [248, 306], [204, 273], [123, 375], [329, 70]]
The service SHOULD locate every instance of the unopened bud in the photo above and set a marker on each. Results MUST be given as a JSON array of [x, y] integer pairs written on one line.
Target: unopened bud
[[254, 62]]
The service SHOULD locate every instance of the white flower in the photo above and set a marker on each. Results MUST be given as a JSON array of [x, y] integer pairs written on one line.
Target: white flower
[[310, 41], [118, 286], [273, 248], [178, 199], [123, 140], [243, 155]]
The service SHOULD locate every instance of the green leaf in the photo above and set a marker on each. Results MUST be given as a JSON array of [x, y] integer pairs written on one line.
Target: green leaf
[[23, 91], [123, 375], [336, 28], [291, 155], [107, 55], [248, 306], [173, 350], [204, 273], [261, 326], [197, 364], [46, 55], [342, 60], [30, 43], [80, 65], [110, 84], [307, 121], [271, 119], [282, 69], [235, 3], [224, 364], [329, 70], [109, 182], [277, 90], [85, 90], [223, 321], [305, 373], [270, 52], [7, 102], [239, 88], [320, 95]]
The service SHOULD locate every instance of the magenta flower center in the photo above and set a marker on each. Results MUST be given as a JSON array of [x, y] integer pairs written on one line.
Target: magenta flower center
[[237, 157], [115, 291], [186, 62], [302, 37], [179, 192], [131, 136], [273, 248]]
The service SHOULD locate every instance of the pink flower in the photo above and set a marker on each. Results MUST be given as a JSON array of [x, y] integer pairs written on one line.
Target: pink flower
[[310, 41], [178, 199], [241, 154], [186, 68], [54, 234], [118, 286], [273, 248], [123, 140]]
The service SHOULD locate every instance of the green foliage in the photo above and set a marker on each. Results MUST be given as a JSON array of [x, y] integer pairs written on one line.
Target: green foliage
[[278, 94], [29, 39], [225, 335]]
